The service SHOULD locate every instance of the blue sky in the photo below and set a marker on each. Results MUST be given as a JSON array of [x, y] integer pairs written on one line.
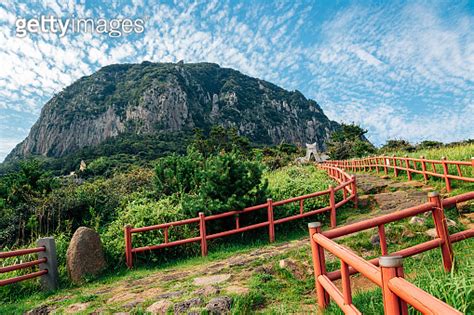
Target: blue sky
[[400, 69]]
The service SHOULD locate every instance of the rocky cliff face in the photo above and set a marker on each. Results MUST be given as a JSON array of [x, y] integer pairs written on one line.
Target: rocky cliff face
[[150, 98]]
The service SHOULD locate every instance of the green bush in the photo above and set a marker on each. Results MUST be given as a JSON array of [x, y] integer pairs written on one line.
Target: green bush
[[142, 211], [292, 181]]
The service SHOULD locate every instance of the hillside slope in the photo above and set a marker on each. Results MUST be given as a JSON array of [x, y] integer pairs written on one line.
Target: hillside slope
[[166, 99], [271, 278]]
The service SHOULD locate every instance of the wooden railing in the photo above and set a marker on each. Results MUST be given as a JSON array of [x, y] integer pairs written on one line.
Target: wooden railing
[[46, 262], [397, 292], [435, 168], [347, 184]]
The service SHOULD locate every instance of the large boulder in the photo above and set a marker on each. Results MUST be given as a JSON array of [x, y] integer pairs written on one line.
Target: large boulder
[[85, 255]]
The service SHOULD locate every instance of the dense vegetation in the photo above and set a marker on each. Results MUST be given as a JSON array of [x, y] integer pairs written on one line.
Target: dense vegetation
[[349, 141], [219, 172]]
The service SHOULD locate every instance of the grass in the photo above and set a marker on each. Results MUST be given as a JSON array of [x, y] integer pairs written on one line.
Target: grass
[[456, 153]]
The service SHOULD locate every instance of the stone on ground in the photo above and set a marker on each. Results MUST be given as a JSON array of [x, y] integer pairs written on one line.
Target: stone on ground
[[375, 239], [399, 200], [219, 305], [450, 222], [431, 233], [85, 255], [159, 308], [182, 307], [210, 280], [417, 221], [40, 310], [207, 291], [298, 270], [76, 308]]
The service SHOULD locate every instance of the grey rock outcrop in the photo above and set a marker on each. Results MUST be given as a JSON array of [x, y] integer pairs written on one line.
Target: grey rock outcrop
[[150, 98]]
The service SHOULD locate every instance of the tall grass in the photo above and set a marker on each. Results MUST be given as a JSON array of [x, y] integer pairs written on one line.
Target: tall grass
[[458, 153]]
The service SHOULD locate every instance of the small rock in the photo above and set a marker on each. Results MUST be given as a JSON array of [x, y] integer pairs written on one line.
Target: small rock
[[209, 280], [76, 307], [432, 233], [268, 269], [122, 297], [465, 207], [297, 269], [363, 200], [450, 222], [132, 304], [174, 276], [219, 305], [168, 295], [417, 221], [375, 239], [85, 255], [182, 307], [207, 291], [159, 308], [40, 310]]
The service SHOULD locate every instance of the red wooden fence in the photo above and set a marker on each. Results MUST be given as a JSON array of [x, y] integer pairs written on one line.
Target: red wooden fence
[[46, 262], [347, 184], [397, 292], [439, 168], [24, 265]]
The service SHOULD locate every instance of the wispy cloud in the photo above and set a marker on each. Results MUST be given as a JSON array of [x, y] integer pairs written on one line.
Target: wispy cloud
[[401, 70]]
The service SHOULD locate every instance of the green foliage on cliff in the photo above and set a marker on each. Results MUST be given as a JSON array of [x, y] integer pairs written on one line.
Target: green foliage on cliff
[[349, 141]]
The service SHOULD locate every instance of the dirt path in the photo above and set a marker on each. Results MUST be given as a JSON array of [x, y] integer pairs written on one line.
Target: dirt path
[[211, 285]]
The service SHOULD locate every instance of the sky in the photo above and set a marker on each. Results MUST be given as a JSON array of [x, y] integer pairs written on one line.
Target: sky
[[402, 70]]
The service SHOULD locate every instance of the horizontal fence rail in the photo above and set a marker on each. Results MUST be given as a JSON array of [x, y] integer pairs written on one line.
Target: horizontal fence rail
[[346, 184], [46, 262], [446, 169], [386, 271]]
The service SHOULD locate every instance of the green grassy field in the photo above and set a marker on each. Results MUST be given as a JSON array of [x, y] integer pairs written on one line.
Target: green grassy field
[[457, 153]]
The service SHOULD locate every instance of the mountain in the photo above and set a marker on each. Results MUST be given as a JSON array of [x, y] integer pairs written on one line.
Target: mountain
[[168, 101]]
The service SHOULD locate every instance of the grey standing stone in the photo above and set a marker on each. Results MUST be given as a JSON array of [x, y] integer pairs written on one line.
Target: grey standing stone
[[85, 255], [219, 305]]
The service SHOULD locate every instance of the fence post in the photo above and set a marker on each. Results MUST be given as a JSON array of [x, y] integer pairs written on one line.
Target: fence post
[[319, 264], [445, 172], [271, 225], [377, 164], [395, 171], [49, 281], [391, 267], [472, 164], [128, 246], [332, 204], [354, 191], [385, 160], [202, 233], [442, 230], [423, 168], [407, 165]]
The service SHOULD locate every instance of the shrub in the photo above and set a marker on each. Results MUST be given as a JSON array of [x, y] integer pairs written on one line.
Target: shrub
[[142, 211], [292, 181]]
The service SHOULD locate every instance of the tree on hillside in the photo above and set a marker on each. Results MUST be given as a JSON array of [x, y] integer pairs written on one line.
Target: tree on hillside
[[20, 192], [220, 139], [397, 145], [349, 141]]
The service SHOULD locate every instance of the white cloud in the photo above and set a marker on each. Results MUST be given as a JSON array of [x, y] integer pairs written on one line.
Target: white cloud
[[394, 69]]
